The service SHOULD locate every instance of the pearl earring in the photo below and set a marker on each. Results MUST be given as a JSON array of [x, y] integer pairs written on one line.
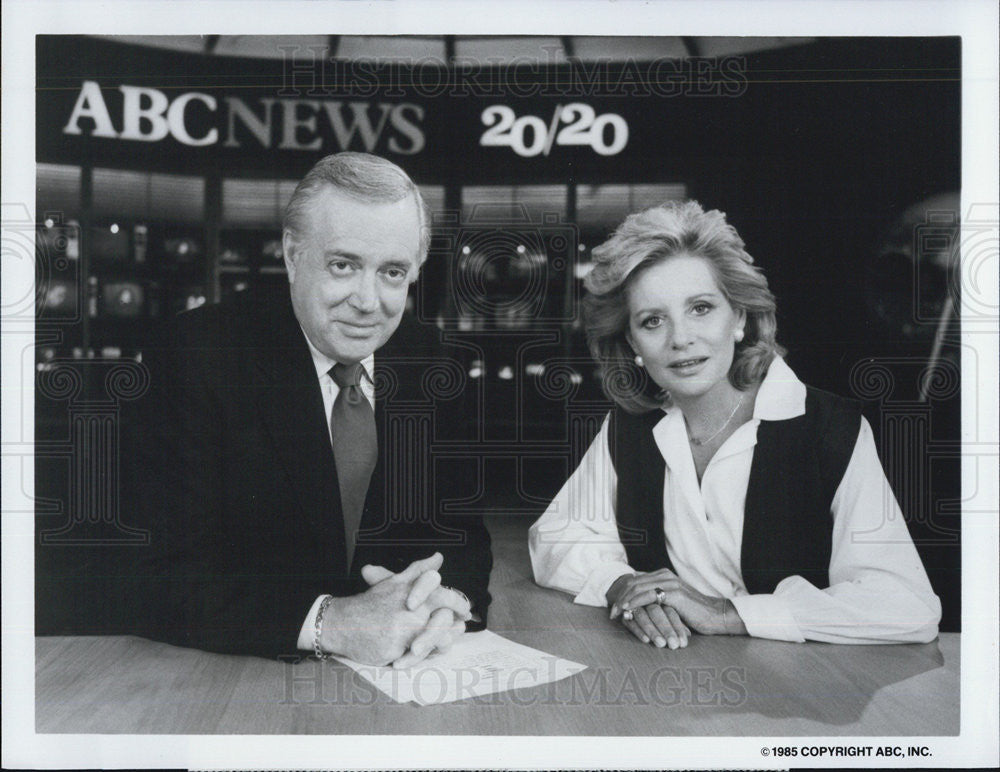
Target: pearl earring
[[738, 334], [638, 360]]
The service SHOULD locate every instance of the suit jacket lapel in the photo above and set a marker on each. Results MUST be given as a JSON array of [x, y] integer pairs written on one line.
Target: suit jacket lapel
[[291, 407]]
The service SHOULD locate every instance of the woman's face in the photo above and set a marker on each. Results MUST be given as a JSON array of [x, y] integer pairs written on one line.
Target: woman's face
[[682, 326]]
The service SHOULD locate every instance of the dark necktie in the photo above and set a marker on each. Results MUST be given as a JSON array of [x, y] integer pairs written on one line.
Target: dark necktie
[[355, 446]]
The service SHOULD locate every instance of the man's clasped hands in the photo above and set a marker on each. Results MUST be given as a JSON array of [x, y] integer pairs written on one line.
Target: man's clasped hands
[[400, 619]]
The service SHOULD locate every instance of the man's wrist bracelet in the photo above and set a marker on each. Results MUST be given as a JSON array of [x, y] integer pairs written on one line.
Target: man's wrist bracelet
[[318, 628]]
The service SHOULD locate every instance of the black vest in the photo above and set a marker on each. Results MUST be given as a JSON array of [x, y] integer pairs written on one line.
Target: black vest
[[797, 465]]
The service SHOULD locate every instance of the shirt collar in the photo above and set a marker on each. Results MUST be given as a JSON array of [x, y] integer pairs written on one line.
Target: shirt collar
[[781, 395], [323, 363]]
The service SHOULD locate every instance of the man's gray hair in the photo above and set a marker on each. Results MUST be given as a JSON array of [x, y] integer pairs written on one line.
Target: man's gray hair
[[362, 176]]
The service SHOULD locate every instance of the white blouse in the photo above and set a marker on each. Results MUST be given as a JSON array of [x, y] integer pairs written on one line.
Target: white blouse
[[878, 593]]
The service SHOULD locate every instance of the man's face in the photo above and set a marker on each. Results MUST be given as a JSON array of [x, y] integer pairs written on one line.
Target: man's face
[[350, 270]]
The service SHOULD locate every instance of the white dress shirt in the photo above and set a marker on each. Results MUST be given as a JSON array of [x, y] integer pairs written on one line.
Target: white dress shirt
[[323, 363], [878, 593]]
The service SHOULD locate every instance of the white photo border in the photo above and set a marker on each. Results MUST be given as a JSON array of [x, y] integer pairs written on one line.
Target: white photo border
[[976, 23]]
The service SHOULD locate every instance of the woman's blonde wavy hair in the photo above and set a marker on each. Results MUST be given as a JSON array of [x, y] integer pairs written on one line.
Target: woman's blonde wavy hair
[[650, 237]]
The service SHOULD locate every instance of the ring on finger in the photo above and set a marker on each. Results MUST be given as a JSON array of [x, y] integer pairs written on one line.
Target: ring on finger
[[661, 596], [627, 615]]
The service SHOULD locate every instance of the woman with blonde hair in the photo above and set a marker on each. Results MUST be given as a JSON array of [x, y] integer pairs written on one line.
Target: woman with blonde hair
[[722, 495]]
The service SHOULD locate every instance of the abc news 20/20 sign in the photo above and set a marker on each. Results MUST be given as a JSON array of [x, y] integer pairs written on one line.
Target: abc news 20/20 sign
[[458, 124], [150, 115]]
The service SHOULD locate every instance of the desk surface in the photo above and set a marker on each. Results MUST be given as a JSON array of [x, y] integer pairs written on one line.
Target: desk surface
[[716, 686]]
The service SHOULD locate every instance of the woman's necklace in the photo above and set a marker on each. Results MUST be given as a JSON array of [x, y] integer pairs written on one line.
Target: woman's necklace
[[701, 441]]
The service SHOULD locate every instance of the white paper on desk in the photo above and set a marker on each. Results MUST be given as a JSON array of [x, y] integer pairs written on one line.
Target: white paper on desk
[[478, 663]]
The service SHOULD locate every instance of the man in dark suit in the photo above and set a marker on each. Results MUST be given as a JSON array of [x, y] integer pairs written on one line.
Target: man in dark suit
[[290, 498]]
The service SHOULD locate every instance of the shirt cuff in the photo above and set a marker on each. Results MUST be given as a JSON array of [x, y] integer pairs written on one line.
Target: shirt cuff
[[595, 589], [308, 632], [767, 616]]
